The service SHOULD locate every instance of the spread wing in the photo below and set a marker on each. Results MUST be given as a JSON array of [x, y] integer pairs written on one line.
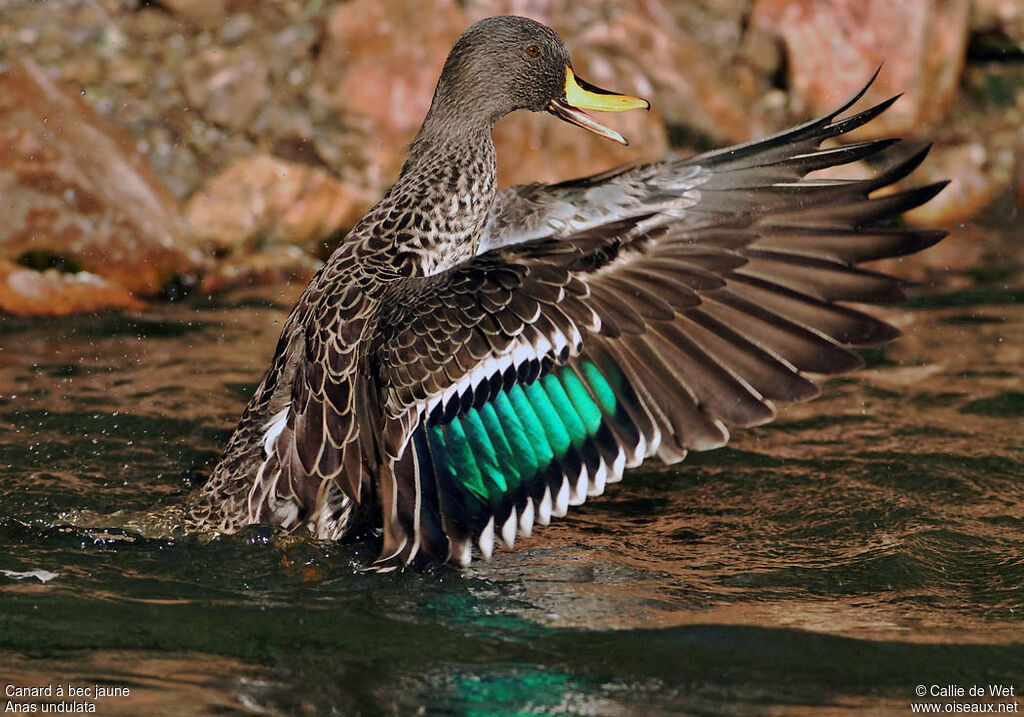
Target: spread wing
[[676, 188], [678, 300]]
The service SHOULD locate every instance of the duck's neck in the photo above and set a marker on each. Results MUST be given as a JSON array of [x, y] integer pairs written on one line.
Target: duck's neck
[[440, 203]]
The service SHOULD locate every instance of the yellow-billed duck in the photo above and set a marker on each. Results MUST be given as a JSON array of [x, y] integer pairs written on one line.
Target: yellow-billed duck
[[470, 363]]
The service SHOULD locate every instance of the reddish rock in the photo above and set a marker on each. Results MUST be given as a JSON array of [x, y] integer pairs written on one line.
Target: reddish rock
[[834, 46], [27, 292], [270, 266], [72, 186], [264, 197], [379, 64]]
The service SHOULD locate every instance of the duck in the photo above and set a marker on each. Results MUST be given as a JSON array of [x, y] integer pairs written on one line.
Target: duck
[[471, 363]]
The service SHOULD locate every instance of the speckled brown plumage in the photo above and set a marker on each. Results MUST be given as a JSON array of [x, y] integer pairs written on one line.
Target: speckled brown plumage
[[680, 298]]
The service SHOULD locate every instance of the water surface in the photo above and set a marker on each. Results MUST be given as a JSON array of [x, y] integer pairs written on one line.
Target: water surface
[[865, 543]]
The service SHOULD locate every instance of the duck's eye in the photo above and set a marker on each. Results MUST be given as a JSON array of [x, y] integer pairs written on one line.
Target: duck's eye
[[533, 51]]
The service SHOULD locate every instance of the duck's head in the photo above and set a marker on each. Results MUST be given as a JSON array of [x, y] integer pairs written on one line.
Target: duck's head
[[508, 63]]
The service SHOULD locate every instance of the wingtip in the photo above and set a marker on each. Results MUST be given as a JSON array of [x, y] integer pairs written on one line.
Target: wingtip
[[901, 169], [932, 190], [875, 74], [861, 92]]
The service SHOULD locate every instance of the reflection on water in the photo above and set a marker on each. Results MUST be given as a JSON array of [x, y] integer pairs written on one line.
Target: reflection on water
[[866, 542]]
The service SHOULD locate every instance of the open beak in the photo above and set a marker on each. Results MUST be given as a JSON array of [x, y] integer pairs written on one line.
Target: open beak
[[580, 95]]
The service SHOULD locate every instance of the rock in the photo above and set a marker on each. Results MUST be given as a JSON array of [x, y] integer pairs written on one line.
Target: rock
[[264, 197], [236, 28], [1005, 16], [834, 47], [979, 173], [977, 148], [228, 86], [360, 157], [270, 266], [204, 13], [380, 61], [73, 187], [27, 292]]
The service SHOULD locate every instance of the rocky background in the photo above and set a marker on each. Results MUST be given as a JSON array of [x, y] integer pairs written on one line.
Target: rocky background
[[152, 149]]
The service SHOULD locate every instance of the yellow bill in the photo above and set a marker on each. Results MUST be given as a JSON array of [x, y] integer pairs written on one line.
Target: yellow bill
[[580, 95]]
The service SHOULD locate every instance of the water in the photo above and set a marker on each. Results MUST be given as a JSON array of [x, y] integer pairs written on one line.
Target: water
[[865, 543]]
